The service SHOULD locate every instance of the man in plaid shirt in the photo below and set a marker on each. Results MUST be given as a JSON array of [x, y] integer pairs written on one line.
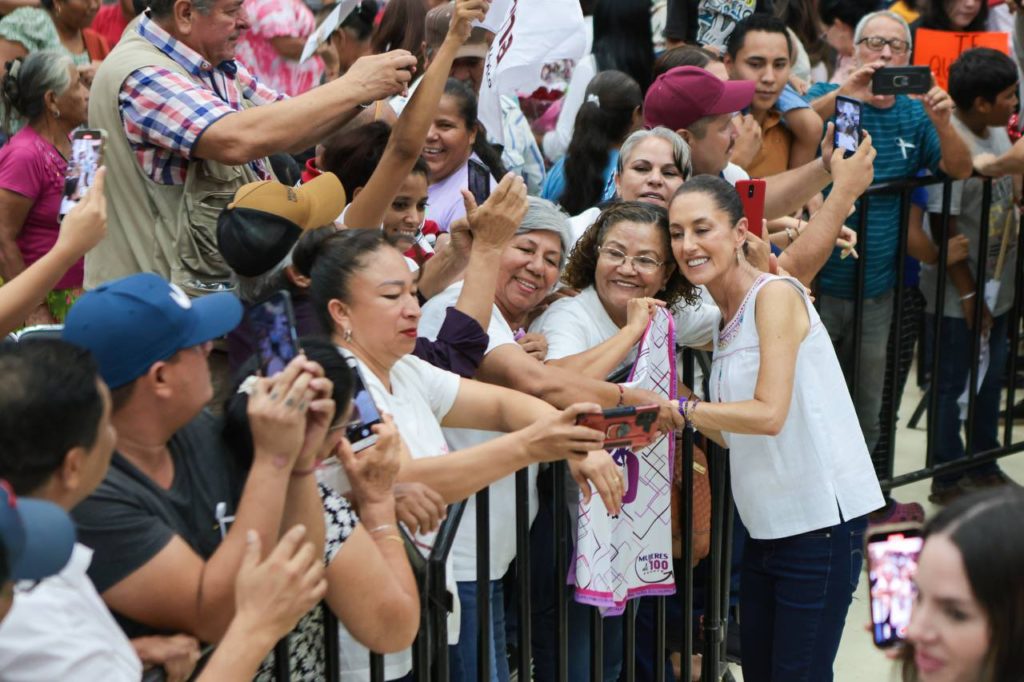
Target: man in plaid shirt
[[187, 125]]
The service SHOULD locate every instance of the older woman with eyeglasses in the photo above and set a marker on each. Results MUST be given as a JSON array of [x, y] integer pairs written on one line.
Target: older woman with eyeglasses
[[624, 270]]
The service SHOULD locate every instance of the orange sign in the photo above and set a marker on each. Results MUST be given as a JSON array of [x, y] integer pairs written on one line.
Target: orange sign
[[939, 49]]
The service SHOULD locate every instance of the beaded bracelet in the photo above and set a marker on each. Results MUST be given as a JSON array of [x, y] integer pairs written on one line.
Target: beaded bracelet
[[686, 407]]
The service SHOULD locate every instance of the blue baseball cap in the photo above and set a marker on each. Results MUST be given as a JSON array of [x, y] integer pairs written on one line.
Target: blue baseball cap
[[37, 536], [130, 323]]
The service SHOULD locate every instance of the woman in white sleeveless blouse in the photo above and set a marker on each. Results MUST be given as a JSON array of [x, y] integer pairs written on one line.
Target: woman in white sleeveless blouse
[[801, 474]]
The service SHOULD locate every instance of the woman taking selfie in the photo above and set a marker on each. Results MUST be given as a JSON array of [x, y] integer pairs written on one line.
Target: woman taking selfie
[[624, 271], [967, 623], [801, 475]]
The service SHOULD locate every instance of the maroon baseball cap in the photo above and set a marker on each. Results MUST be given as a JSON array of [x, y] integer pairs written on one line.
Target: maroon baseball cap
[[686, 94]]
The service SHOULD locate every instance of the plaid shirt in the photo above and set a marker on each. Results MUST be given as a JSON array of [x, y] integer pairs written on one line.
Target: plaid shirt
[[165, 113]]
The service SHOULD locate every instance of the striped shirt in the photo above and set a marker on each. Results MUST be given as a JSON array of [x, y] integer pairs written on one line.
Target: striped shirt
[[165, 113], [906, 142]]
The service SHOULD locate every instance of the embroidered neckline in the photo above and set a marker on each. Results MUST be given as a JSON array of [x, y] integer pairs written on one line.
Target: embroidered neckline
[[729, 332]]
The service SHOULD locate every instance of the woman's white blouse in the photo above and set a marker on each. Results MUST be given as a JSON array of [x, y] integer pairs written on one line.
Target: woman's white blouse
[[818, 466]]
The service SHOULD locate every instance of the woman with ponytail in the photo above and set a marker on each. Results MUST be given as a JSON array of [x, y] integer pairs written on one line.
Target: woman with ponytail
[[585, 176]]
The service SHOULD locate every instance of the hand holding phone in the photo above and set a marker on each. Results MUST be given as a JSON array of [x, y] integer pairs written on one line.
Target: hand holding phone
[[892, 553], [272, 324], [86, 159], [630, 427], [901, 80], [752, 194], [847, 127], [365, 414]]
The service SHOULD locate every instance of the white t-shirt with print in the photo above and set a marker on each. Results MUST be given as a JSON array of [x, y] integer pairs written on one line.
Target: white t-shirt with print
[[503, 492]]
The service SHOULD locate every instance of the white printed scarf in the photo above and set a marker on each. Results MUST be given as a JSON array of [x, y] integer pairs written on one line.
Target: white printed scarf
[[630, 555]]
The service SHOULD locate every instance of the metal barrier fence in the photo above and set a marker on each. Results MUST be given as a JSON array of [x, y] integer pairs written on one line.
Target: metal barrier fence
[[430, 651]]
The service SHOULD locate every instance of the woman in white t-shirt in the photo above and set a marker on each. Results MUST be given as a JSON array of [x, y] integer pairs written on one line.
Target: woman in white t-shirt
[[802, 478], [366, 296], [624, 270]]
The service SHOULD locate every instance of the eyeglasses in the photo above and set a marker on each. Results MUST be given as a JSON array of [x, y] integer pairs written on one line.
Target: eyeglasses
[[878, 43], [640, 263]]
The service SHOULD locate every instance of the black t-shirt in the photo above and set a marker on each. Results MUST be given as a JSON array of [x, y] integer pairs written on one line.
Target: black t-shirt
[[129, 518]]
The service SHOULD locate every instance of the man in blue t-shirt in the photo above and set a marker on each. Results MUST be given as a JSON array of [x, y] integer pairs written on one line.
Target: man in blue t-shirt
[[911, 133]]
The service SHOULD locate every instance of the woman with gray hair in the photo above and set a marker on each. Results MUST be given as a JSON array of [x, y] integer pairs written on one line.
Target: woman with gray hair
[[46, 89], [652, 165]]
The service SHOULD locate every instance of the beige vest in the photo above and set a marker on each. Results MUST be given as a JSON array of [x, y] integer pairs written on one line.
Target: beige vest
[[166, 229]]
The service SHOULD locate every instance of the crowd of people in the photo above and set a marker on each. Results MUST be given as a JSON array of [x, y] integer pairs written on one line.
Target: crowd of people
[[168, 504]]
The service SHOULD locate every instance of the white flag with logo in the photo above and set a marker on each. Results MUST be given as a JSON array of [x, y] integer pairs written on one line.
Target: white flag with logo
[[533, 33]]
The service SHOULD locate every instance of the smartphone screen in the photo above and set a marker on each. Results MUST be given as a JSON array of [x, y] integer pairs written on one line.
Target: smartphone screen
[[479, 181], [847, 133], [892, 562], [359, 429], [752, 196], [272, 324], [86, 158]]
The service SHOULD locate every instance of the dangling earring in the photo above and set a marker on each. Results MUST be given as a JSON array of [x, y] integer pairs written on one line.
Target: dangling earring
[[347, 336], [738, 257]]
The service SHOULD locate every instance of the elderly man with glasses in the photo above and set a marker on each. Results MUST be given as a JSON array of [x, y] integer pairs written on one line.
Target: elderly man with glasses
[[912, 134]]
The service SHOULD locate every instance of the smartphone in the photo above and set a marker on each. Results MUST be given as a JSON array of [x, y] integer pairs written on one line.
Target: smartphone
[[902, 80], [892, 561], [359, 429], [272, 324], [752, 195], [479, 181], [629, 427], [86, 159], [847, 130]]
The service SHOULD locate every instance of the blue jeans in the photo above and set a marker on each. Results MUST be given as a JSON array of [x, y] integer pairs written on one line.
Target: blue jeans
[[796, 592], [954, 370], [462, 656], [544, 615], [837, 316]]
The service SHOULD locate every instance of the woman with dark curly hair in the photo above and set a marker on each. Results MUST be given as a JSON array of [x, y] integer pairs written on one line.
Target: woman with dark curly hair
[[623, 269]]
